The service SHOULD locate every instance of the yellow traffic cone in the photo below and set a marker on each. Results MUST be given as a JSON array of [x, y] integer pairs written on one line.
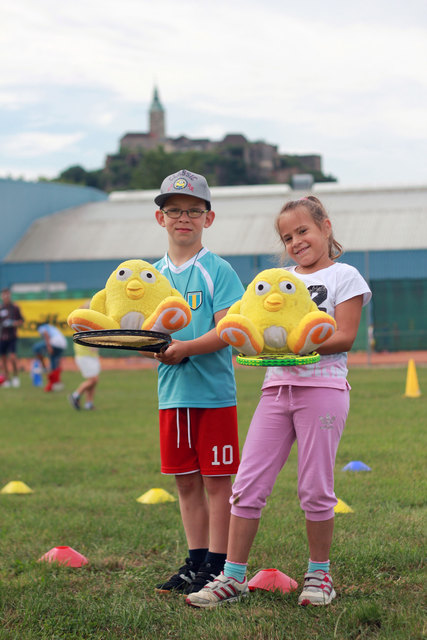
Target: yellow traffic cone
[[154, 496], [412, 388], [16, 486], [342, 507]]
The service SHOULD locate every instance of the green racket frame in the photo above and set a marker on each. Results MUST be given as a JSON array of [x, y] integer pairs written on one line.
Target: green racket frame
[[277, 360]]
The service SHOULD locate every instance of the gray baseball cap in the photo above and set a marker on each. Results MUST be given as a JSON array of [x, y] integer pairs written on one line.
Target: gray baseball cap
[[184, 183]]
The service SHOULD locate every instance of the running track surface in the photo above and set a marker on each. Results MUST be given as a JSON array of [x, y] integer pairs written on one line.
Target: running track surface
[[355, 359]]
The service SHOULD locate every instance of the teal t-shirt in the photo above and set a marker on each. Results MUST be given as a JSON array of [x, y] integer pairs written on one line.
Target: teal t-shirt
[[209, 284]]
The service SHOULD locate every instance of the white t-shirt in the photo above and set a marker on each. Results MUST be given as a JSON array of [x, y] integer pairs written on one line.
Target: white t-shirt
[[328, 288], [56, 338]]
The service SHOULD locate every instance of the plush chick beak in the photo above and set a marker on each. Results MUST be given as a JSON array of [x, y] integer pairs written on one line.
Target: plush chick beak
[[135, 289], [273, 302]]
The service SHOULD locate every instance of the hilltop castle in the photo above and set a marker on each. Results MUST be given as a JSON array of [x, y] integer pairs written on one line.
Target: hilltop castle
[[262, 161]]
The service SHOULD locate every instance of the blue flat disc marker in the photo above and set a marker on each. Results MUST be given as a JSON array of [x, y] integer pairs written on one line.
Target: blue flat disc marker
[[356, 465]]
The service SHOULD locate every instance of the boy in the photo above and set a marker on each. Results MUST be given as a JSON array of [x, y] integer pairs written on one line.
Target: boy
[[53, 344], [196, 386], [10, 320]]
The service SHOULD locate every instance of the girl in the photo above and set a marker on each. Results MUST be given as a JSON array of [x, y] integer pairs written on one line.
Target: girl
[[308, 404]]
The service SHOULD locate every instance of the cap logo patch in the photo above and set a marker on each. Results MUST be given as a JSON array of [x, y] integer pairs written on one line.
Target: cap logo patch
[[181, 183]]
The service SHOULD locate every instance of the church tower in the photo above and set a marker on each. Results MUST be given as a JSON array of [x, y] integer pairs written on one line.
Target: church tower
[[157, 117]]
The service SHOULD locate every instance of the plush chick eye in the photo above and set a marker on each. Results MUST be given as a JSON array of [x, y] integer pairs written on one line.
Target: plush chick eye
[[123, 274], [262, 287], [148, 276], [287, 287]]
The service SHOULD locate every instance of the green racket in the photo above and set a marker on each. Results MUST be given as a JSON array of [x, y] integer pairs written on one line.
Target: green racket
[[277, 360]]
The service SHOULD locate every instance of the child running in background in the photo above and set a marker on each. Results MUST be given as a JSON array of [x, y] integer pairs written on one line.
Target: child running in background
[[196, 387], [308, 404], [89, 365]]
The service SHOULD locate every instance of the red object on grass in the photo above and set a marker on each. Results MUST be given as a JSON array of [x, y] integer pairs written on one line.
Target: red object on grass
[[272, 580], [53, 378], [65, 555]]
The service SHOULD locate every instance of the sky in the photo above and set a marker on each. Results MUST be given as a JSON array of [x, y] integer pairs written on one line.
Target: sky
[[346, 80]]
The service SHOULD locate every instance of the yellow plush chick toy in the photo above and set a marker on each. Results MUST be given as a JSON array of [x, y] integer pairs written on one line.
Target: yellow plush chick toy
[[136, 296], [275, 315]]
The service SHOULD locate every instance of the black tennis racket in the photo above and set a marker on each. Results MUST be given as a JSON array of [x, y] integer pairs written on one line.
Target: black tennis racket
[[128, 339]]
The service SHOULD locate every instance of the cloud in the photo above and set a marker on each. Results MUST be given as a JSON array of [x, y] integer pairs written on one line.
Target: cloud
[[328, 76], [273, 55], [103, 119], [15, 99], [28, 173], [32, 144]]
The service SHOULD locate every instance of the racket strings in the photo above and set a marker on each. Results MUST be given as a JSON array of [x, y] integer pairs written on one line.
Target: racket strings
[[123, 339], [107, 341]]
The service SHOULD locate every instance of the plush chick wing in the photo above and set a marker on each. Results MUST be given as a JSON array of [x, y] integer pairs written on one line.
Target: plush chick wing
[[98, 302]]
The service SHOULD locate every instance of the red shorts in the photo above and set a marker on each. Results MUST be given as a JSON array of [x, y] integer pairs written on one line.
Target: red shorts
[[204, 440]]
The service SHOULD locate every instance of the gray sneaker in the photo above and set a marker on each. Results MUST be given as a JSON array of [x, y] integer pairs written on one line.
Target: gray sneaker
[[218, 591], [74, 401], [318, 589]]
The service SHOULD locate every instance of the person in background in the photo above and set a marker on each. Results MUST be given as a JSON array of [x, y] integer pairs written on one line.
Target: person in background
[[88, 362], [10, 319], [89, 365], [52, 345]]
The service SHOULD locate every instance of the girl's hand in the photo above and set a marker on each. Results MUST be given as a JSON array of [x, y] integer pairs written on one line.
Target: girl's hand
[[174, 354]]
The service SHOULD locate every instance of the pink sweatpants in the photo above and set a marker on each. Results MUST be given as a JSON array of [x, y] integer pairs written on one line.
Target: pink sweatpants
[[314, 417]]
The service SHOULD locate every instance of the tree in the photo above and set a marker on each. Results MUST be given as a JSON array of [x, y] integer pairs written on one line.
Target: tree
[[146, 169]]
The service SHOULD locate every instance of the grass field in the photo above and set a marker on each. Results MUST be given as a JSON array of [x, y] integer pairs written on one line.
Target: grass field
[[88, 468]]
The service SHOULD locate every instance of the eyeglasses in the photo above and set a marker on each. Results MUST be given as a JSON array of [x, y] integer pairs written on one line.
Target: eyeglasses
[[177, 213]]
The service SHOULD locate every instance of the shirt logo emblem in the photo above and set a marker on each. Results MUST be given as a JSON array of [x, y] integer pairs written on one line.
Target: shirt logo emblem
[[194, 299]]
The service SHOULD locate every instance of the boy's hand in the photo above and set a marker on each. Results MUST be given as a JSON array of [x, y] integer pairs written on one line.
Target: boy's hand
[[174, 354]]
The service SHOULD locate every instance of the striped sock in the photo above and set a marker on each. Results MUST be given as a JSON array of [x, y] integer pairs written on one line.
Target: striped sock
[[318, 566], [236, 570]]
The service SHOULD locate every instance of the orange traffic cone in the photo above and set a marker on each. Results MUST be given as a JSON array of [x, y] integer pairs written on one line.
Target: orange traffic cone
[[412, 388], [272, 580]]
